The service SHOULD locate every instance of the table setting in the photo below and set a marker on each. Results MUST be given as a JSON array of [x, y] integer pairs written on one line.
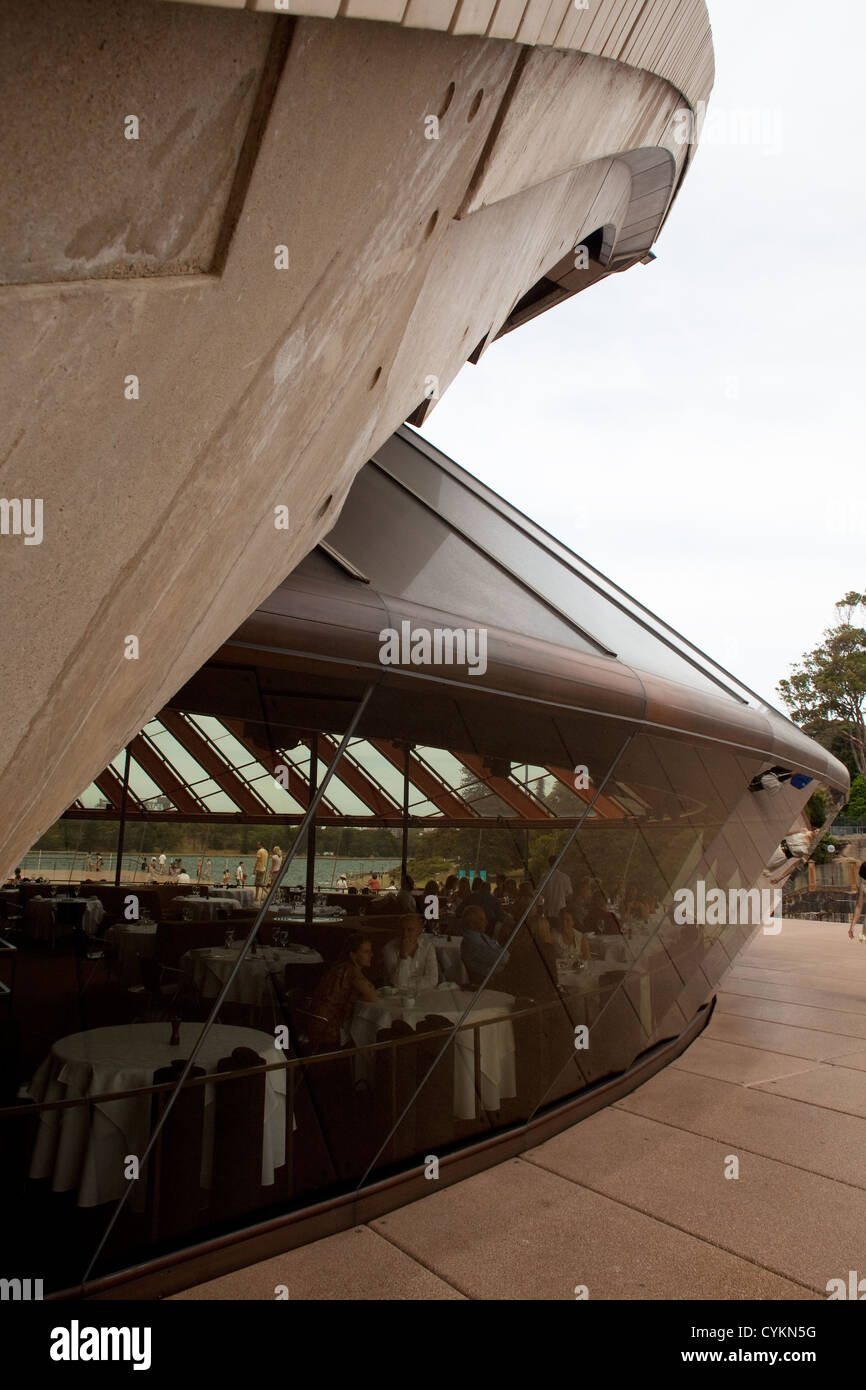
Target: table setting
[[209, 967], [449, 1000], [127, 941], [84, 1148]]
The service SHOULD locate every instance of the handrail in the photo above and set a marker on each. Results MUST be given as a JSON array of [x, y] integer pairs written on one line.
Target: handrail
[[288, 1064]]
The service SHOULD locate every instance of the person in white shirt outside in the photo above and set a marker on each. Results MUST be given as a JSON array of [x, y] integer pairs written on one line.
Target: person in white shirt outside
[[240, 875], [183, 877], [342, 885], [557, 891], [276, 863], [162, 863], [410, 958]]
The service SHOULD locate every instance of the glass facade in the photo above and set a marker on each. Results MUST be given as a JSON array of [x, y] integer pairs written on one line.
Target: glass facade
[[567, 933]]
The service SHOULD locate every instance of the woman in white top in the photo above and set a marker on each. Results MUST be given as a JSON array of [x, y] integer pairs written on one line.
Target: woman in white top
[[571, 945], [276, 862], [410, 958], [240, 876]]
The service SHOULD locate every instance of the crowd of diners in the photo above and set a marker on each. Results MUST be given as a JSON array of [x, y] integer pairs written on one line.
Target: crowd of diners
[[483, 915]]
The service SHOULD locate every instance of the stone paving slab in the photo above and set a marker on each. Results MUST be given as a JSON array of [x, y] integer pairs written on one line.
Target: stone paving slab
[[797, 994], [680, 1179], [834, 1088], [734, 1062], [790, 1131], [355, 1265], [517, 1232], [798, 1014], [781, 1037]]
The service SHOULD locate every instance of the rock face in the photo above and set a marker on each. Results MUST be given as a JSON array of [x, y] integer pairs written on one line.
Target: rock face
[[238, 250]]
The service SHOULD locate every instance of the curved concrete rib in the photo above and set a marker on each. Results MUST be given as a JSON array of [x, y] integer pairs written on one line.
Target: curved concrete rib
[[671, 38], [259, 387]]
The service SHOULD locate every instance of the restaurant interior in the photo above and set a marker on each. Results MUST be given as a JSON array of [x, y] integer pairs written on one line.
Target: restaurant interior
[[192, 1073]]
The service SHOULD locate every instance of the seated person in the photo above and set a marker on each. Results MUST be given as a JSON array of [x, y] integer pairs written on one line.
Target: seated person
[[404, 901], [571, 945], [339, 990], [599, 918], [410, 958], [479, 949], [492, 908]]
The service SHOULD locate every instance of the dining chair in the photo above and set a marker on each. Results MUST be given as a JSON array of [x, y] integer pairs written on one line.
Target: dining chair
[[434, 1108], [239, 1108], [175, 1194]]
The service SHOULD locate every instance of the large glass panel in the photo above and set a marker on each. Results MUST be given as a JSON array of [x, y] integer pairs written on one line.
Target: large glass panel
[[540, 945]]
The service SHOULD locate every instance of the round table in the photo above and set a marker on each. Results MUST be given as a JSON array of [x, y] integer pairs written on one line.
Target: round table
[[128, 941], [498, 1071], [284, 918], [205, 909], [210, 967], [450, 961], [245, 897], [84, 1148]]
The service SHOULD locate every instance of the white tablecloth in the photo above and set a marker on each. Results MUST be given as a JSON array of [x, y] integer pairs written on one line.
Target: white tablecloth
[[41, 916], [246, 897], [204, 909], [637, 981], [451, 965], [281, 917], [86, 1151], [498, 1072], [255, 982], [128, 941]]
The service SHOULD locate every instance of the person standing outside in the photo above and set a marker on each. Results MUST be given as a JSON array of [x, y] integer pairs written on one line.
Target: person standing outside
[[858, 906], [260, 871], [161, 862], [276, 864]]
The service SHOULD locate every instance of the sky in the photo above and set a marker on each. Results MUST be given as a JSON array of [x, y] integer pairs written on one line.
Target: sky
[[694, 428]]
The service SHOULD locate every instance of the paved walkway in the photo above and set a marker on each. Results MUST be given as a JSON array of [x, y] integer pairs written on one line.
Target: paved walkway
[[634, 1202]]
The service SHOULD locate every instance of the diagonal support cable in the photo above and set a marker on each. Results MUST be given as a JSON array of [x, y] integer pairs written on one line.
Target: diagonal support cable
[[467, 1011], [221, 997]]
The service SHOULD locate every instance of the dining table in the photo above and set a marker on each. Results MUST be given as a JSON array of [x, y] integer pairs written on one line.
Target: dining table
[[448, 955], [127, 941], [244, 897], [489, 1008], [84, 1148], [261, 972], [205, 909]]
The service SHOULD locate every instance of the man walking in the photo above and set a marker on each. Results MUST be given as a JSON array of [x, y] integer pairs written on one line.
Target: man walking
[[261, 871]]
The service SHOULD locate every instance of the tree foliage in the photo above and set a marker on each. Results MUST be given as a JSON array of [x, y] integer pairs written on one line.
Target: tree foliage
[[826, 691]]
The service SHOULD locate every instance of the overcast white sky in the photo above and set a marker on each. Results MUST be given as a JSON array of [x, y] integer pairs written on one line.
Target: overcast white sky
[[694, 428]]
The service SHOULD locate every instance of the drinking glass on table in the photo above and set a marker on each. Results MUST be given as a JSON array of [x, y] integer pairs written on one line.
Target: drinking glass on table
[[230, 938]]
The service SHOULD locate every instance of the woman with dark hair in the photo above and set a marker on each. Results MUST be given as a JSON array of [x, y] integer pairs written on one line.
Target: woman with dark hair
[[858, 906], [341, 987]]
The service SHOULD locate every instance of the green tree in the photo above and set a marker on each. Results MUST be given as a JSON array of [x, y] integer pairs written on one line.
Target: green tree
[[826, 691], [855, 811]]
